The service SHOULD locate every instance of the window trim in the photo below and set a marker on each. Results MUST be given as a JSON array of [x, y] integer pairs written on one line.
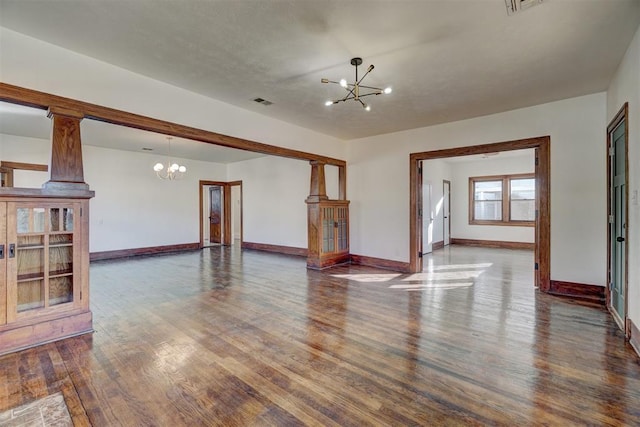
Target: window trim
[[506, 200]]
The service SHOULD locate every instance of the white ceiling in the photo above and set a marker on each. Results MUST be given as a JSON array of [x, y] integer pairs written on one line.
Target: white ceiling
[[445, 59]]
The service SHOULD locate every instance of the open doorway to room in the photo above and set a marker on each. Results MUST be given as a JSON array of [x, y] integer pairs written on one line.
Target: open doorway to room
[[419, 213], [220, 213]]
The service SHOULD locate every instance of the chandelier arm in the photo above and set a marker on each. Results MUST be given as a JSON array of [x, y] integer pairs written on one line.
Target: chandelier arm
[[363, 104], [369, 94], [371, 87], [362, 78]]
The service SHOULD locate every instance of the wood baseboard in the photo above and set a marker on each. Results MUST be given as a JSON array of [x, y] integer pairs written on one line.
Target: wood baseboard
[[26, 336], [634, 339], [437, 245], [384, 264], [493, 244], [286, 250], [153, 250], [580, 291]]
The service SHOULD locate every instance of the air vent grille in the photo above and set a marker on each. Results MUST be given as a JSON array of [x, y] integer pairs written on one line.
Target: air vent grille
[[514, 6], [263, 101]]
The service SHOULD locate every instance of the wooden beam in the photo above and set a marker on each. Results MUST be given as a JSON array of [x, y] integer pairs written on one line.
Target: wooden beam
[[24, 166], [42, 100]]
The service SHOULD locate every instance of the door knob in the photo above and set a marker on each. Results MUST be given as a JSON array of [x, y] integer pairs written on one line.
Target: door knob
[[619, 239]]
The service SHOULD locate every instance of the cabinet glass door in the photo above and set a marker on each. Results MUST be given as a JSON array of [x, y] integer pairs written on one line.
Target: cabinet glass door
[[30, 258], [61, 256], [44, 256]]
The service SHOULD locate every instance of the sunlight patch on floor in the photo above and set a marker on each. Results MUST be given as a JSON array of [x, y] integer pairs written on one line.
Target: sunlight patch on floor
[[370, 278], [432, 285]]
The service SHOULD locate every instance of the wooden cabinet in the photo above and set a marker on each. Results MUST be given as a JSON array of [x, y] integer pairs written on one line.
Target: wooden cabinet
[[328, 233], [44, 286]]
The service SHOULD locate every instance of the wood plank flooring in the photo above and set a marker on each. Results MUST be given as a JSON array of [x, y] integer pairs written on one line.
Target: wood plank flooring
[[231, 338]]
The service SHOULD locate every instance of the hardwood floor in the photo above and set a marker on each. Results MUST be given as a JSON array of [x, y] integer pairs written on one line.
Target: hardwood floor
[[223, 337]]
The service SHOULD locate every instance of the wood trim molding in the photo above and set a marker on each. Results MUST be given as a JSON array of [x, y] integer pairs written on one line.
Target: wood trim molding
[[634, 338], [42, 100], [438, 245], [24, 166], [581, 291], [384, 264], [278, 249], [493, 244], [542, 145], [152, 250]]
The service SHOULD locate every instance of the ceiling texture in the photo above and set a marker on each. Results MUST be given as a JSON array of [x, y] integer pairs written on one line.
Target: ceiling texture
[[446, 60]]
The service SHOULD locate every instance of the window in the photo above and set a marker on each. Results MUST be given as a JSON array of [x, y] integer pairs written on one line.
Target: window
[[502, 200]]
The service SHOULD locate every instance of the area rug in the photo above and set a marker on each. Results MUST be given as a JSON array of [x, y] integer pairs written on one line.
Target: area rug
[[50, 411]]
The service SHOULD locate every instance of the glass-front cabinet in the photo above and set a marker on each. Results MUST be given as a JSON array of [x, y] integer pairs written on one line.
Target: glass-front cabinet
[[328, 233], [42, 257], [44, 281]]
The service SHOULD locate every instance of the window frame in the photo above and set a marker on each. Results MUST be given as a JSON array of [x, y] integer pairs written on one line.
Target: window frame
[[506, 200]]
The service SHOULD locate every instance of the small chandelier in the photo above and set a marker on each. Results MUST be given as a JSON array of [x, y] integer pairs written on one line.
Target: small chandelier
[[171, 170], [353, 89]]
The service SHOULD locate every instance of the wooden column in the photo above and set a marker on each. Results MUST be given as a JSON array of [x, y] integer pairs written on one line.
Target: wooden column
[[318, 190], [66, 171], [317, 193], [322, 255], [342, 183]]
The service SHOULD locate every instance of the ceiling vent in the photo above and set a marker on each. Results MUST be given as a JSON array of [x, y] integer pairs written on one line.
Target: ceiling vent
[[514, 6], [263, 101]]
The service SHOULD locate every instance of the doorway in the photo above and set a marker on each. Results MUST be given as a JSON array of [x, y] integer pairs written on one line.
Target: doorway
[[220, 213], [446, 215], [427, 213], [617, 238], [541, 145]]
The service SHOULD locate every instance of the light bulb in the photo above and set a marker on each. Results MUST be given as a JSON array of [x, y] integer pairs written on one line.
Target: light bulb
[[368, 108], [343, 83], [328, 103], [388, 90], [182, 169], [158, 167]]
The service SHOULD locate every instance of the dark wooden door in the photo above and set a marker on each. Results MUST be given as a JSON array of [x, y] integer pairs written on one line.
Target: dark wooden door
[[215, 214]]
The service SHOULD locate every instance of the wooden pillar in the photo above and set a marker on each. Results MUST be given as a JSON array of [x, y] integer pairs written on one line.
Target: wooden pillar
[[342, 183], [65, 171], [318, 190]]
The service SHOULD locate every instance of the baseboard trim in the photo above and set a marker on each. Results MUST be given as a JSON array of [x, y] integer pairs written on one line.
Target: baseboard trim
[[493, 244], [278, 249], [437, 245], [581, 291], [634, 339], [151, 250], [381, 263]]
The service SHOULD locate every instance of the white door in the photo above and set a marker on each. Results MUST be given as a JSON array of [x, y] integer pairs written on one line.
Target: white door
[[427, 219], [446, 213]]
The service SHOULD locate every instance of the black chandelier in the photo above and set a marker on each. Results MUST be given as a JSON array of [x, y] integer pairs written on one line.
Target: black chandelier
[[354, 89]]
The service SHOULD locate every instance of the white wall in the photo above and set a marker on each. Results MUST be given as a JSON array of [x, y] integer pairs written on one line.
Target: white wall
[[378, 181], [26, 150], [461, 172], [274, 190], [132, 207], [625, 87]]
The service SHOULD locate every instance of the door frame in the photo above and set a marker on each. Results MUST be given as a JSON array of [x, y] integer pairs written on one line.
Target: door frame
[[227, 233], [622, 114], [542, 146]]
